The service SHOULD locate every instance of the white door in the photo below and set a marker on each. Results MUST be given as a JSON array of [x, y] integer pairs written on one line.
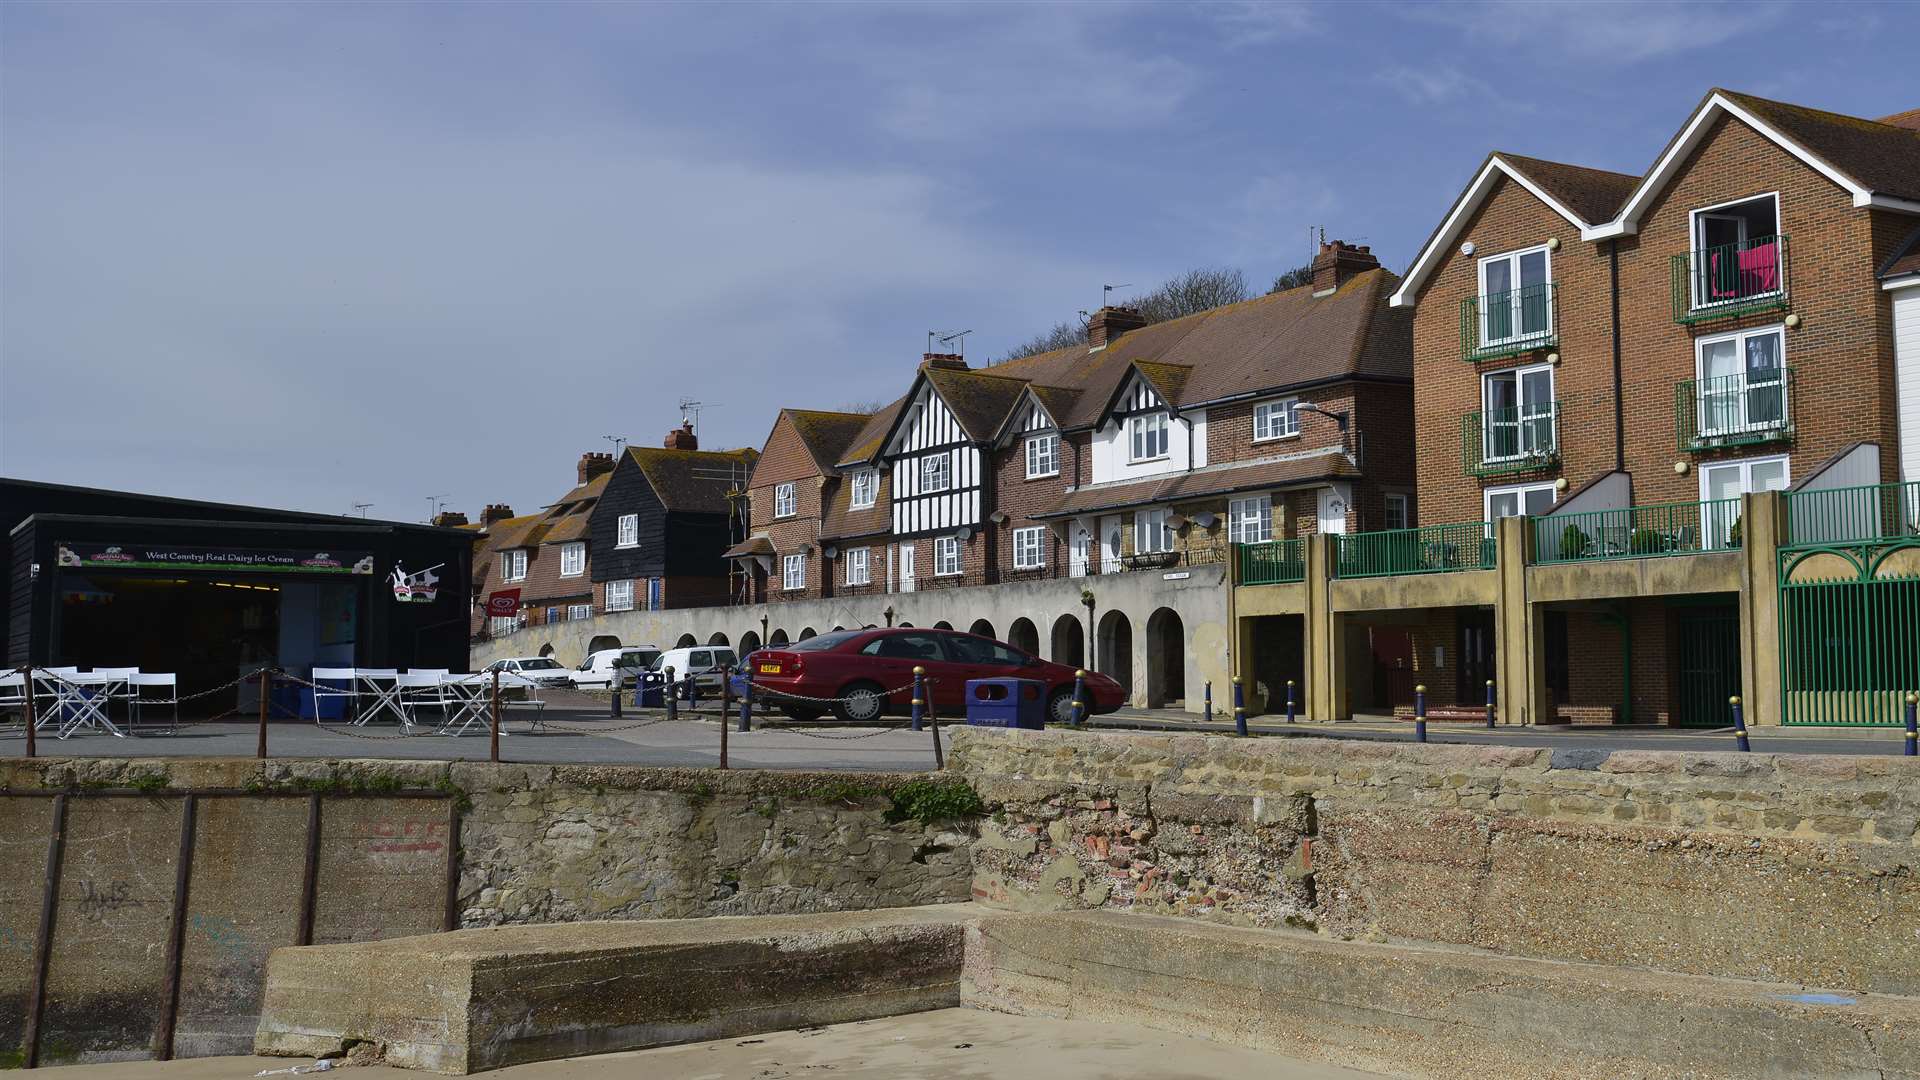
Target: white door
[[1079, 548], [1333, 510], [1721, 486], [1112, 536], [906, 567]]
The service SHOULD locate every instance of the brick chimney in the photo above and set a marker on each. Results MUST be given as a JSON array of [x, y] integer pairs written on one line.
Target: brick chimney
[[950, 361], [592, 465], [447, 519], [682, 437], [495, 512], [1339, 263], [1109, 323]]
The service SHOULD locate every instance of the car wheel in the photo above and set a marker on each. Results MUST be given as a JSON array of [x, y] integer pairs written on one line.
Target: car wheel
[[795, 712], [1060, 706], [860, 703]]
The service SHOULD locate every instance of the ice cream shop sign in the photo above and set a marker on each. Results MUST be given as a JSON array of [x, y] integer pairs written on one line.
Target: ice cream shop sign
[[241, 560]]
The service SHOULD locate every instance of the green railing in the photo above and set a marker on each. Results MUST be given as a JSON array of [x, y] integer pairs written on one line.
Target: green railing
[[1499, 441], [1638, 532], [1733, 410], [1847, 613], [1430, 549], [1865, 514], [1730, 279], [1276, 562], [1509, 323]]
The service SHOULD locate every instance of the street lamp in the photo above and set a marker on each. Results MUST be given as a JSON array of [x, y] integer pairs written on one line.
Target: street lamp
[[1337, 417]]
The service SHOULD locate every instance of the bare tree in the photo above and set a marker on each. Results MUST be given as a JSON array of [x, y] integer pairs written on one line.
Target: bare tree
[[865, 408], [1293, 279], [1189, 294], [1062, 336]]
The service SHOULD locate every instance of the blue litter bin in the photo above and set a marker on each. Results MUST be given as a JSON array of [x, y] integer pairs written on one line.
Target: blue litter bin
[[1016, 703], [650, 691]]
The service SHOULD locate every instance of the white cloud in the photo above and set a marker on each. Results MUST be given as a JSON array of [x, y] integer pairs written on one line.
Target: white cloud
[[1624, 31], [1253, 22], [1432, 85]]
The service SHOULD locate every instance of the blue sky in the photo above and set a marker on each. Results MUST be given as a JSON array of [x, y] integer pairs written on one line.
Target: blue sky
[[314, 255]]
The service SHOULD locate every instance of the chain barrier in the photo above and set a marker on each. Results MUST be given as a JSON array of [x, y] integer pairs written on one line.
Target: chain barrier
[[47, 676]]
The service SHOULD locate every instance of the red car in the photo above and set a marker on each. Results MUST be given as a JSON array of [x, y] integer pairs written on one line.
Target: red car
[[870, 672]]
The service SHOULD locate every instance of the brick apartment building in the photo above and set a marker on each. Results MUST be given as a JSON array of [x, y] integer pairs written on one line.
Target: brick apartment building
[[1723, 323]]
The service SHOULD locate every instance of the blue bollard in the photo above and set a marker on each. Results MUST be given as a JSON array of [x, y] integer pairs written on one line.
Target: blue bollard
[[1420, 714], [746, 705], [919, 696], [1079, 697], [1913, 730], [1739, 724], [1239, 707], [1209, 698], [1290, 701], [1490, 722]]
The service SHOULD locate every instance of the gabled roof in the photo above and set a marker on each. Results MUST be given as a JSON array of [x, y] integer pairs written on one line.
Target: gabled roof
[[873, 433], [1905, 260], [1909, 120], [693, 481], [1229, 478], [1054, 401], [826, 435], [979, 399]]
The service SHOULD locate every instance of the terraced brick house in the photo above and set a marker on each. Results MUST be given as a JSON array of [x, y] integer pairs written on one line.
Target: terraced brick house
[[544, 555]]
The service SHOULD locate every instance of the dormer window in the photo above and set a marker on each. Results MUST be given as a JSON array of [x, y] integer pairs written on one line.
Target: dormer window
[[1147, 436], [573, 559], [865, 489], [1738, 254]]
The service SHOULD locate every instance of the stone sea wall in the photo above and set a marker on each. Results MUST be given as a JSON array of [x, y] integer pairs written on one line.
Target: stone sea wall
[[1792, 868]]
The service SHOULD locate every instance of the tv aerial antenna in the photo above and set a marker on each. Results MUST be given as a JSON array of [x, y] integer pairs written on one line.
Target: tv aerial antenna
[[361, 508], [619, 443], [1106, 292], [947, 341], [434, 503], [690, 411]]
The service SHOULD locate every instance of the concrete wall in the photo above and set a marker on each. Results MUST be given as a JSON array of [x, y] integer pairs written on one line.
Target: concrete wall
[[1197, 594], [1789, 868], [534, 844]]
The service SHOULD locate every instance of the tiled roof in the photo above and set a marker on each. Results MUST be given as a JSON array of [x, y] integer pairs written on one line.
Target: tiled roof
[[867, 443], [841, 521], [752, 545], [1909, 120], [827, 435], [693, 481], [1879, 156], [1218, 480], [1594, 194], [1905, 259], [572, 525], [979, 399]]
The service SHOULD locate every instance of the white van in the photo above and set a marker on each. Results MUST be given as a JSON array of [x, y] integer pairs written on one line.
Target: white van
[[704, 662], [596, 671]]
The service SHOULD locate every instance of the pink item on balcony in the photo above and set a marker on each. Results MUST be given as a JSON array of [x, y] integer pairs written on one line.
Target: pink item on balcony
[[1760, 269]]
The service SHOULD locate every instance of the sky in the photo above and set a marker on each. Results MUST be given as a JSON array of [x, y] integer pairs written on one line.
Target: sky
[[317, 255]]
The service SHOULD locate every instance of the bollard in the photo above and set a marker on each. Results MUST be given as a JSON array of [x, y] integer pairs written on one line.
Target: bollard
[[33, 720], [693, 693], [919, 696], [617, 687], [1078, 714], [1913, 730], [266, 691], [493, 732], [1420, 714], [1209, 699], [1490, 722], [670, 694], [746, 703], [723, 738], [1290, 705], [933, 723], [1239, 707], [1739, 724], [726, 691]]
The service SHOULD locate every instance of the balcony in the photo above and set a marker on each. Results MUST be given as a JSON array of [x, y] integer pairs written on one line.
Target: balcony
[[1637, 532], [1496, 442], [1276, 562], [1730, 279], [1866, 514], [1431, 549], [1509, 323], [1734, 410]]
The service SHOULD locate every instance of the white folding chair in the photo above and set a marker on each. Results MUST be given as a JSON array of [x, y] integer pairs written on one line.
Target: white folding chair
[[530, 700], [381, 684], [13, 693], [148, 690], [472, 703], [125, 690], [416, 689], [323, 692]]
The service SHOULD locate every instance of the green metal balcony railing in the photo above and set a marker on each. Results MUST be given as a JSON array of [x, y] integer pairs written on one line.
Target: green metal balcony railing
[[1499, 441], [1509, 323], [1866, 514], [1734, 410], [1430, 549], [1276, 562], [1638, 532], [1730, 279]]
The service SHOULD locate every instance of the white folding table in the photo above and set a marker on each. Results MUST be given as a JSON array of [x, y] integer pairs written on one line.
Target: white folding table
[[80, 700], [383, 685], [472, 697]]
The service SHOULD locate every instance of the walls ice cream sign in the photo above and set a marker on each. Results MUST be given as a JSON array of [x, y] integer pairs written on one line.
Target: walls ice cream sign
[[420, 588]]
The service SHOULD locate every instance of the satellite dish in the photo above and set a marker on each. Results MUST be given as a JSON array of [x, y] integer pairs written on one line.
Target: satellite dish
[[830, 552], [964, 533]]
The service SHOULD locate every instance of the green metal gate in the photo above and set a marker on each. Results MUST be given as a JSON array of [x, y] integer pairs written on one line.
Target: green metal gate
[[1709, 656], [1849, 632]]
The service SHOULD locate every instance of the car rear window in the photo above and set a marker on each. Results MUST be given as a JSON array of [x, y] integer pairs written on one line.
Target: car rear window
[[538, 665], [822, 642]]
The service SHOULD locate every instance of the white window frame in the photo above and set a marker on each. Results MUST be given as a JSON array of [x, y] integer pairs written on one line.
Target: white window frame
[[1030, 548], [506, 624], [936, 472], [1716, 522], [1276, 420], [1746, 425], [793, 573], [1696, 245], [513, 564], [1519, 490], [627, 531], [1522, 450], [946, 556], [1405, 503], [1043, 455], [1143, 431], [1151, 533], [785, 503], [620, 595], [1512, 257], [859, 566], [1250, 519], [573, 554], [579, 611], [863, 489]]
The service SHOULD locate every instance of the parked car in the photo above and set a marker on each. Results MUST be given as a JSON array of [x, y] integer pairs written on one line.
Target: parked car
[[870, 672], [704, 662], [544, 672], [596, 671]]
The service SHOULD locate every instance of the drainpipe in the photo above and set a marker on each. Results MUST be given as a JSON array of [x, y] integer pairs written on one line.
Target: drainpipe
[[1619, 400]]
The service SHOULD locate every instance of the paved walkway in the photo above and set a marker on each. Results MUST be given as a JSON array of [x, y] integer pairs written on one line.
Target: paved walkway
[[951, 1044]]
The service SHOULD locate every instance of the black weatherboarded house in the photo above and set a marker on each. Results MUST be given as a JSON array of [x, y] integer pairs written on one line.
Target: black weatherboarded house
[[663, 521]]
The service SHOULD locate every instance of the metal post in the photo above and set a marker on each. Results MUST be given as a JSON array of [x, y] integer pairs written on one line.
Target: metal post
[[1209, 699], [1490, 719], [919, 696], [1739, 724], [693, 692], [746, 702], [266, 688], [493, 728], [1913, 731], [670, 695], [615, 706], [1079, 710], [1239, 707], [1420, 714], [1291, 707], [32, 720], [939, 757], [723, 738], [726, 691]]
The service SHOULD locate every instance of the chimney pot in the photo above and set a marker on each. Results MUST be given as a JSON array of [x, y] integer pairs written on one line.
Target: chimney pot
[[1339, 263], [1110, 322], [449, 518], [592, 465], [682, 437], [495, 512], [950, 361]]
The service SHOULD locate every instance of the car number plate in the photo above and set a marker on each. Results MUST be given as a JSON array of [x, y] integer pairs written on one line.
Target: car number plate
[[769, 669]]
